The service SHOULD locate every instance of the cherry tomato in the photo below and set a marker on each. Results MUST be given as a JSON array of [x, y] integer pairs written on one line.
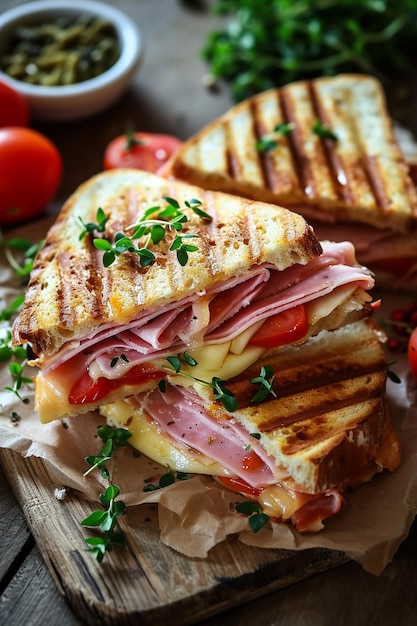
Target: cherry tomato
[[86, 390], [14, 109], [412, 352], [143, 151], [30, 173], [282, 328]]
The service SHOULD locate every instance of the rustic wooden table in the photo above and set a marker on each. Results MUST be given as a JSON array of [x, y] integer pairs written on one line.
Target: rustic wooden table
[[168, 96]]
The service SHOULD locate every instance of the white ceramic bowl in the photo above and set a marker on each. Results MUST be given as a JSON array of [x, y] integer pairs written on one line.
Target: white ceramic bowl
[[69, 102]]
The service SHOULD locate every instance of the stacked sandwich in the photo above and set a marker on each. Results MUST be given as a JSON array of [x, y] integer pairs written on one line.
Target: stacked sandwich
[[220, 332], [327, 149]]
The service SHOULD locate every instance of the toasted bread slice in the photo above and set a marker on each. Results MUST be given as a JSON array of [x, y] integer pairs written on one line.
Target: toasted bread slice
[[71, 294], [328, 425], [358, 176]]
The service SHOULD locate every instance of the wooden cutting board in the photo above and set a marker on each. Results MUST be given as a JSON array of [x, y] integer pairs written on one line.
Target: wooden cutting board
[[147, 582]]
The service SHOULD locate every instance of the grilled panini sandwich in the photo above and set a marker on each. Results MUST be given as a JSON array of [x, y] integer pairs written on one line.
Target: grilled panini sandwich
[[323, 428], [326, 149], [138, 269]]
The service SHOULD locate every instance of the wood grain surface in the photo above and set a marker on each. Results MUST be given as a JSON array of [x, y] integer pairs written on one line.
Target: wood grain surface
[[147, 581]]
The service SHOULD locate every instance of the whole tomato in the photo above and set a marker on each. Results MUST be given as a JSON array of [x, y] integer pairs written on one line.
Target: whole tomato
[[14, 109], [143, 151], [30, 173], [412, 352]]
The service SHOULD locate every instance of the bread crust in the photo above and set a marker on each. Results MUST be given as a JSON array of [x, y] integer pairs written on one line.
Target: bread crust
[[328, 424], [360, 177]]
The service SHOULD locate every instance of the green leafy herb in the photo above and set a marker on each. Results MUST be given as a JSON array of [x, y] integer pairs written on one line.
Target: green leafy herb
[[321, 130], [152, 228], [392, 375], [106, 518], [21, 355], [20, 254], [257, 519], [268, 143], [90, 228], [165, 480], [268, 43], [265, 382], [222, 394]]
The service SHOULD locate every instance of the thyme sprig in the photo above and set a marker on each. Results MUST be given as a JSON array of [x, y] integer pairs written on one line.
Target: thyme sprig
[[165, 480], [223, 394], [20, 253], [265, 382], [152, 228], [106, 518]]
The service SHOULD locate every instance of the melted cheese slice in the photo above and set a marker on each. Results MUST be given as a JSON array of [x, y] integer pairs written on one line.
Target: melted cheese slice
[[148, 440]]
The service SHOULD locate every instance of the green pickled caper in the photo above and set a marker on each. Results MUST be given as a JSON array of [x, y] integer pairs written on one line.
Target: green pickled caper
[[62, 52]]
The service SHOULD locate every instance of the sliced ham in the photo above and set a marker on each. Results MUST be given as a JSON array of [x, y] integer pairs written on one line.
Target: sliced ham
[[218, 315]]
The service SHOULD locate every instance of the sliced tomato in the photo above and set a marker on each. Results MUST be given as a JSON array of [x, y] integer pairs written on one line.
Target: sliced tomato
[[239, 485], [143, 151], [87, 390], [251, 461], [412, 352], [282, 328]]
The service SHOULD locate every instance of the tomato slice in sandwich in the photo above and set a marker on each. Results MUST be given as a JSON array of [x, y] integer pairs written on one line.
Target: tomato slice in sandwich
[[282, 328], [87, 390]]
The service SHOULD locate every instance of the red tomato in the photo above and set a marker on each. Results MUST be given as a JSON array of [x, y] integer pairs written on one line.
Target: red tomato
[[30, 173], [14, 109], [239, 485], [412, 352], [142, 151], [251, 461], [87, 390], [282, 328]]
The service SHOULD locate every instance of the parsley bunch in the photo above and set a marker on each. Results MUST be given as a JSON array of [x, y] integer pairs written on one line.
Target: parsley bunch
[[268, 43]]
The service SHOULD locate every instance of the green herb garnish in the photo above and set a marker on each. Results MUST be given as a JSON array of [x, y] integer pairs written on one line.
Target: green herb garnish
[[257, 519], [90, 228], [265, 381], [106, 519], [223, 395], [152, 228], [165, 480], [323, 131], [267, 143], [269, 43]]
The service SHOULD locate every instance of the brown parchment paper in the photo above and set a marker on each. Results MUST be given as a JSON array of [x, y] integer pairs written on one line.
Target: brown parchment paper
[[197, 514]]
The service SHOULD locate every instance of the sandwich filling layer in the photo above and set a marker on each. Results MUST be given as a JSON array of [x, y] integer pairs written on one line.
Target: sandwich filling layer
[[228, 320]]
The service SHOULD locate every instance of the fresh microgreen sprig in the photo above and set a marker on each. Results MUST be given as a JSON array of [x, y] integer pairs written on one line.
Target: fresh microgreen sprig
[[265, 382], [223, 394], [20, 253], [165, 480], [21, 355], [257, 518], [90, 228], [106, 519], [152, 228]]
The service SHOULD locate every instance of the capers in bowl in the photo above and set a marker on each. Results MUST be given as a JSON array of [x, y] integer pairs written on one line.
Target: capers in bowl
[[63, 51]]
